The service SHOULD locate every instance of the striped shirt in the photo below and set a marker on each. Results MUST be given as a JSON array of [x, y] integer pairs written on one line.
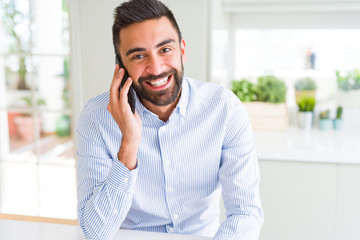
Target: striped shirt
[[206, 149]]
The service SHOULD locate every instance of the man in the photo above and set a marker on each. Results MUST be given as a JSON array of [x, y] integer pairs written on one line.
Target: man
[[163, 168]]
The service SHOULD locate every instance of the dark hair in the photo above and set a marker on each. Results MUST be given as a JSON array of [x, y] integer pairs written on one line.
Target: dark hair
[[136, 11]]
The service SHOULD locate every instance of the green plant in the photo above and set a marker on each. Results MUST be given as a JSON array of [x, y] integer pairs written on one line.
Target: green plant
[[325, 114], [245, 90], [339, 112], [271, 89], [306, 104], [29, 101], [305, 84], [348, 80], [356, 77]]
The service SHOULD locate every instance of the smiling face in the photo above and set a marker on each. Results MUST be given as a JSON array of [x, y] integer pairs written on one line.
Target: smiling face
[[152, 55]]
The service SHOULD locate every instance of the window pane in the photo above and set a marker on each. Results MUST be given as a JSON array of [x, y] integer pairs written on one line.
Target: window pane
[[52, 82], [50, 27], [293, 50]]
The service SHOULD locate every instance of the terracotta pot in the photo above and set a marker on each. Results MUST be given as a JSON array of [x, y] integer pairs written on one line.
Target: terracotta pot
[[13, 132], [26, 127]]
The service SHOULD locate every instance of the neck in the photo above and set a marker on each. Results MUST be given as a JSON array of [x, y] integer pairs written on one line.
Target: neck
[[163, 112]]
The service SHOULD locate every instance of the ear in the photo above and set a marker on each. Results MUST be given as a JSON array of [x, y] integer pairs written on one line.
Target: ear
[[182, 49]]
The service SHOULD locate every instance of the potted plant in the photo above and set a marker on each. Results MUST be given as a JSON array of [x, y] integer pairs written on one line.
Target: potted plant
[[324, 120], [265, 102], [27, 123], [305, 114], [338, 122], [305, 87], [245, 90], [271, 89], [348, 92]]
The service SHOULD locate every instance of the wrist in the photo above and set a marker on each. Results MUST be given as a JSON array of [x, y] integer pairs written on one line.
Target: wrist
[[128, 154]]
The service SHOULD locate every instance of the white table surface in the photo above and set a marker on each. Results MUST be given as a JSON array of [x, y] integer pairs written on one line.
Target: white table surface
[[294, 144], [20, 230]]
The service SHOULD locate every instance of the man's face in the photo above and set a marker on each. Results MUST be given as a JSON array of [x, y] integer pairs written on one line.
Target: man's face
[[153, 57]]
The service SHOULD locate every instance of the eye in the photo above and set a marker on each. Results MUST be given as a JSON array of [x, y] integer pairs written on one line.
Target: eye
[[165, 50], [138, 57]]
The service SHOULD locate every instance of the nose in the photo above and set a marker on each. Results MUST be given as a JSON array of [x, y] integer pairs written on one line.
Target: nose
[[155, 65]]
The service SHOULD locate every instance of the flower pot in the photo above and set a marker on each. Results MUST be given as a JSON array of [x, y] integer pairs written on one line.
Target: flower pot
[[337, 124], [26, 126], [63, 125], [325, 124], [13, 132], [268, 116], [305, 120]]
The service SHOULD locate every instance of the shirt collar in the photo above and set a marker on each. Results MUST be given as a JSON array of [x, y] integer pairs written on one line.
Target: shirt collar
[[181, 106], [184, 98]]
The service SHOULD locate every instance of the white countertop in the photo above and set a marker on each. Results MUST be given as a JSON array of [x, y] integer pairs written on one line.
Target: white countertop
[[20, 230], [313, 145]]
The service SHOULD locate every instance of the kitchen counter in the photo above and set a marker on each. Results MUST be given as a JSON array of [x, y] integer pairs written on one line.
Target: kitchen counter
[[313, 145]]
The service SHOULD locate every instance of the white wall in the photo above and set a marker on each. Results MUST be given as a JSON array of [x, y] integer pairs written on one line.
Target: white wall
[[93, 49]]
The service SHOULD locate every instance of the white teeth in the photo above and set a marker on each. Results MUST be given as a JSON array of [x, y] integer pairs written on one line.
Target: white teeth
[[159, 83]]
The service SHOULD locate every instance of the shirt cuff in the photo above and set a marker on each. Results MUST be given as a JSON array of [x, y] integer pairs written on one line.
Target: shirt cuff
[[121, 178]]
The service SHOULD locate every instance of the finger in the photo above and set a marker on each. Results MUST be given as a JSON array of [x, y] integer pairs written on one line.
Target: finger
[[115, 85], [116, 70], [118, 74]]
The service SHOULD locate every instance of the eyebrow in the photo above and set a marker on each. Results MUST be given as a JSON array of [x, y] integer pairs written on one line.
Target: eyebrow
[[132, 50], [165, 42]]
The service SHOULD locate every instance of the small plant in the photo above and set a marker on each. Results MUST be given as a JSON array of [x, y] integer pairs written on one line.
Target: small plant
[[325, 114], [305, 84], [348, 80], [29, 101], [356, 77], [339, 112], [271, 89], [245, 90], [306, 104]]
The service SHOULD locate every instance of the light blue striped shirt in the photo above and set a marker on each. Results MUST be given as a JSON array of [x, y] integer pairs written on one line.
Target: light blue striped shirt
[[206, 148]]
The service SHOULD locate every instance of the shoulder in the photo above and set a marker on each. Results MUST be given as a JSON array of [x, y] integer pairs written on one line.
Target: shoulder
[[96, 106]]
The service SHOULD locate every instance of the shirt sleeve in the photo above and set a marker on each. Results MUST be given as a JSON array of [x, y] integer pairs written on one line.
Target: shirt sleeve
[[105, 185], [239, 177]]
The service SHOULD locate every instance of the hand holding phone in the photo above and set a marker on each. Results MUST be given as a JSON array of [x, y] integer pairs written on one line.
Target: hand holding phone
[[129, 123], [131, 99]]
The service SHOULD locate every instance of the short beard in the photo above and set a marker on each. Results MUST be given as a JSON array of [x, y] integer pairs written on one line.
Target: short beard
[[161, 98]]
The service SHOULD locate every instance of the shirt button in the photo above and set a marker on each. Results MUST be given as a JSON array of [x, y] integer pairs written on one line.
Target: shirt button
[[171, 229], [170, 189], [167, 162], [176, 216], [126, 179]]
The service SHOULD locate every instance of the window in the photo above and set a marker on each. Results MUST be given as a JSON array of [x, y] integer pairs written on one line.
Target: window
[[38, 175], [295, 53], [289, 42]]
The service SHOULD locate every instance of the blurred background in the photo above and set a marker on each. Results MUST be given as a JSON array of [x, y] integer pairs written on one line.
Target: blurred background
[[295, 64]]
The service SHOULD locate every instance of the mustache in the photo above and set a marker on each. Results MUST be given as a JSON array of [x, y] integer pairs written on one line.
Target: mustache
[[154, 77]]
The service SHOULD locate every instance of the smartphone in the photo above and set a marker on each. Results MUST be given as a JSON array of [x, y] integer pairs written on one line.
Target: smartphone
[[131, 99]]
